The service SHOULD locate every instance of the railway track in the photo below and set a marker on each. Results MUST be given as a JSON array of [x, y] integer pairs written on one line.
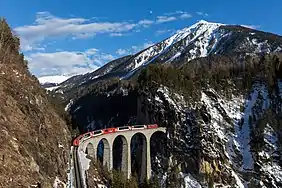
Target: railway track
[[78, 179]]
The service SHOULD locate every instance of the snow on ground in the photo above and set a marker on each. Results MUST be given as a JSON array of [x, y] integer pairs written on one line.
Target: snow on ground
[[102, 186], [270, 166], [238, 143], [270, 137], [278, 49], [275, 171], [239, 183], [244, 133], [260, 46], [84, 164], [174, 57], [215, 114], [177, 101], [190, 182], [203, 28], [53, 79], [52, 88], [244, 137], [58, 183], [70, 183], [69, 105]]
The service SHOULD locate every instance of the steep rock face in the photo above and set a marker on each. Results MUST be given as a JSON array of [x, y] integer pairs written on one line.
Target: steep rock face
[[222, 141], [34, 139]]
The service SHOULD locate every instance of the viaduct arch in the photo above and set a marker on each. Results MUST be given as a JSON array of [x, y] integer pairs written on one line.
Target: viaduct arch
[[90, 146]]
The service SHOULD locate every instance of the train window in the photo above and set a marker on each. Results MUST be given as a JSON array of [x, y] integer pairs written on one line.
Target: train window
[[138, 126], [123, 128], [87, 135], [97, 132]]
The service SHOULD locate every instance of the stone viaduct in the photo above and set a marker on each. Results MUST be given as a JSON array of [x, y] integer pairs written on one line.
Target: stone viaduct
[[90, 146]]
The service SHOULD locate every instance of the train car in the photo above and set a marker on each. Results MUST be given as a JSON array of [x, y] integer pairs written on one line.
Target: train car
[[97, 133], [87, 135], [109, 130], [134, 127], [124, 128], [152, 126], [77, 140], [91, 134]]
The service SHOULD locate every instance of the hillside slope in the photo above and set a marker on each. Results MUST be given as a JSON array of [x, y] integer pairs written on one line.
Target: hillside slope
[[34, 139]]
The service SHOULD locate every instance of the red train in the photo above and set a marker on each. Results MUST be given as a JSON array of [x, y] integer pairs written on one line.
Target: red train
[[91, 134]]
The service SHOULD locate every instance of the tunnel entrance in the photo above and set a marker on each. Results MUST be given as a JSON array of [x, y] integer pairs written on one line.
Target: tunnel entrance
[[103, 153], [120, 154], [138, 147], [159, 153]]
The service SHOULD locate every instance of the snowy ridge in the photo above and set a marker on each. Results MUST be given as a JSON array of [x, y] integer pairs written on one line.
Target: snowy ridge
[[199, 40], [204, 31], [53, 79]]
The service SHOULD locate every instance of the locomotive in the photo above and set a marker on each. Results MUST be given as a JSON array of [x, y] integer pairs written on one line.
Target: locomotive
[[91, 134]]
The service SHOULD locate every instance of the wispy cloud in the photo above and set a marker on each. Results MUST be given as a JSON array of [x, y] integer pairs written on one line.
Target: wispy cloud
[[47, 25], [164, 31], [117, 34], [122, 52], [185, 16], [202, 14], [252, 26], [172, 16], [174, 13], [67, 62], [134, 49], [163, 19], [35, 38], [146, 22]]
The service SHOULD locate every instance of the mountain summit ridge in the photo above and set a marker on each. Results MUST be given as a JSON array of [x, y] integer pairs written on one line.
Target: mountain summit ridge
[[199, 40]]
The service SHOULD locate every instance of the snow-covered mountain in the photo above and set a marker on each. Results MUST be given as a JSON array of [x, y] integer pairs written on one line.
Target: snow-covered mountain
[[199, 40], [52, 79], [52, 82]]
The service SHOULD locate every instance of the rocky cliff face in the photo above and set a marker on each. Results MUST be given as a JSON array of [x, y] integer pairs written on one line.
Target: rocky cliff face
[[222, 141], [34, 139]]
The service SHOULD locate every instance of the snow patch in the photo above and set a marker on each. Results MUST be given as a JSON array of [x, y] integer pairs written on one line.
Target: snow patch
[[58, 183], [244, 136], [174, 57], [238, 181], [215, 114], [191, 182], [69, 105], [52, 88], [177, 101], [84, 164]]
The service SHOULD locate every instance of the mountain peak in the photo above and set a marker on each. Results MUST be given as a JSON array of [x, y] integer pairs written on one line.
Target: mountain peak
[[201, 22]]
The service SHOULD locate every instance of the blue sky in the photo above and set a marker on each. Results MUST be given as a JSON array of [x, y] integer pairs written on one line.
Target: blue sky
[[72, 37]]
